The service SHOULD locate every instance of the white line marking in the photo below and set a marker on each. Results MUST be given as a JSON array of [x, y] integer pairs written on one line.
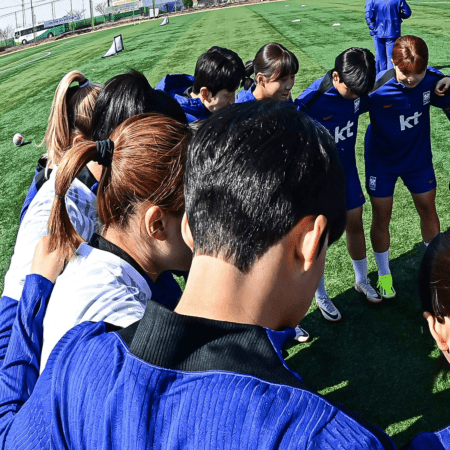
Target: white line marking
[[45, 54]]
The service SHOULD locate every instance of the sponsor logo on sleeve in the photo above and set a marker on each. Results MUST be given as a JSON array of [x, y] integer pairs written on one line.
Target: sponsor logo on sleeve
[[372, 183], [426, 97]]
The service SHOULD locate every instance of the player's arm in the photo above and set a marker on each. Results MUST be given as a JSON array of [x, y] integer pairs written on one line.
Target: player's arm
[[20, 370], [405, 10], [442, 86], [370, 17], [301, 102]]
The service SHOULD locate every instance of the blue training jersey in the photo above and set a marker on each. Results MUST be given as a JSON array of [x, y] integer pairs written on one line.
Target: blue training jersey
[[246, 95], [322, 102], [176, 85], [398, 136], [167, 382]]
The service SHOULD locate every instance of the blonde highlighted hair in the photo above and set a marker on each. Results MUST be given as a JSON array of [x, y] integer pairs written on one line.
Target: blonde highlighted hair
[[71, 114]]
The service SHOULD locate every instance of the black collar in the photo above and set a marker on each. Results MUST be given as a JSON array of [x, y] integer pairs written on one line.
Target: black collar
[[187, 93], [86, 177], [101, 243], [179, 342]]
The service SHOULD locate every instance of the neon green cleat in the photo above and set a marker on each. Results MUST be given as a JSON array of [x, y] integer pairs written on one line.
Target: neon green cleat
[[385, 286]]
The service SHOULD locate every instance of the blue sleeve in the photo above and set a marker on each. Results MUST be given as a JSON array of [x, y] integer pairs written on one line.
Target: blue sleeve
[[436, 100], [20, 370], [370, 19], [426, 441], [405, 10], [32, 191], [8, 308], [302, 100]]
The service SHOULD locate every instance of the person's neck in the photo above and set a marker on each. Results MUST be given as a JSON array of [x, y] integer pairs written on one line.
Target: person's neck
[[134, 248], [218, 290], [258, 92], [96, 169]]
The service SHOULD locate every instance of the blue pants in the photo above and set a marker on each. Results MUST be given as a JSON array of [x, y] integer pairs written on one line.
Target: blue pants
[[383, 52]]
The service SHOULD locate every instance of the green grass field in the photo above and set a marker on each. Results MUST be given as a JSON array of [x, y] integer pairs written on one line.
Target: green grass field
[[378, 360]]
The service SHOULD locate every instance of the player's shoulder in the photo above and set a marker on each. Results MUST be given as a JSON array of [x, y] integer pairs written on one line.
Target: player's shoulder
[[384, 78]]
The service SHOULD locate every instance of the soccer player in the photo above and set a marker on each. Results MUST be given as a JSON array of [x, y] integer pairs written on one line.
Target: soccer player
[[140, 204], [264, 198], [122, 97], [71, 114], [218, 74], [398, 144], [274, 67], [434, 290], [336, 101], [384, 18]]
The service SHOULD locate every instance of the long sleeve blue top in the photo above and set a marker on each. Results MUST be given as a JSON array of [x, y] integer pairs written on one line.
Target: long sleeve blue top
[[166, 382], [176, 85], [398, 136], [384, 17]]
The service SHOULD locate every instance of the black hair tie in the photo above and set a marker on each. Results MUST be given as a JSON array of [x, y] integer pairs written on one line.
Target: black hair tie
[[105, 150]]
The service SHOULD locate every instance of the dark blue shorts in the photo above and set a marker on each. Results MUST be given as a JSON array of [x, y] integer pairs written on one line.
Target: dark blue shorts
[[354, 194], [381, 183]]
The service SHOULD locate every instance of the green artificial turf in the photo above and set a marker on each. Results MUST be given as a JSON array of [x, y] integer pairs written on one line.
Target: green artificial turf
[[379, 360]]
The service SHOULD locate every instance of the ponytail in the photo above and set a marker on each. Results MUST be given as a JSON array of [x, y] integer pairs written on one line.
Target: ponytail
[[60, 228], [249, 71], [72, 110]]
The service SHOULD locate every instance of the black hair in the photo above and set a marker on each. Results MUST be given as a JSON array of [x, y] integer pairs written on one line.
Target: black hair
[[253, 171], [434, 277], [126, 95], [356, 68], [217, 69], [274, 61]]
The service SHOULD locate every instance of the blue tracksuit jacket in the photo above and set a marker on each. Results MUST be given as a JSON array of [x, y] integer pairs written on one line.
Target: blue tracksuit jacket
[[384, 17], [176, 86], [166, 382]]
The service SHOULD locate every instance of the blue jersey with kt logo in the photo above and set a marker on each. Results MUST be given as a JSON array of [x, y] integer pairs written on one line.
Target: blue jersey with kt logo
[[398, 136]]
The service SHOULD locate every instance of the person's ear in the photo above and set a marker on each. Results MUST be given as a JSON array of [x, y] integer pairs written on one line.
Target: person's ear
[[205, 94], [310, 230], [335, 76], [260, 79], [186, 232], [154, 223], [437, 331]]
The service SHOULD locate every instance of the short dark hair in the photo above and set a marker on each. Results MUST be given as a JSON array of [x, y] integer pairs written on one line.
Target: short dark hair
[[434, 277], [217, 69], [126, 95], [356, 68], [253, 171], [274, 61]]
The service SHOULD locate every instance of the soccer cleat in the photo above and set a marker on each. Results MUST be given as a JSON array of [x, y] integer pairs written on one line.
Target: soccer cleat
[[328, 310], [372, 295], [301, 335], [385, 286]]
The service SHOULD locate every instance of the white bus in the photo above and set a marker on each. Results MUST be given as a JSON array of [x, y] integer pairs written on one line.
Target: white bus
[[44, 30]]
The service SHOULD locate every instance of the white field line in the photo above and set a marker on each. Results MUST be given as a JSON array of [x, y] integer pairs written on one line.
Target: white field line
[[45, 54]]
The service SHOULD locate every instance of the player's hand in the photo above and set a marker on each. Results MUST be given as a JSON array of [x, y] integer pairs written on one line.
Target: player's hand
[[442, 86], [46, 263]]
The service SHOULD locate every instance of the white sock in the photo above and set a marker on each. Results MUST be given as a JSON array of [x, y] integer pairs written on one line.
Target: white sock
[[426, 243], [360, 268], [382, 260], [321, 291]]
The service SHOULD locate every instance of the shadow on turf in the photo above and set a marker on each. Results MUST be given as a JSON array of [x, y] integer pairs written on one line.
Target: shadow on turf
[[383, 351]]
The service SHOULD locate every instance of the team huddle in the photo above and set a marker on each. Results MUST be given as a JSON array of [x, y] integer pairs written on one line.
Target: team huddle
[[240, 194]]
